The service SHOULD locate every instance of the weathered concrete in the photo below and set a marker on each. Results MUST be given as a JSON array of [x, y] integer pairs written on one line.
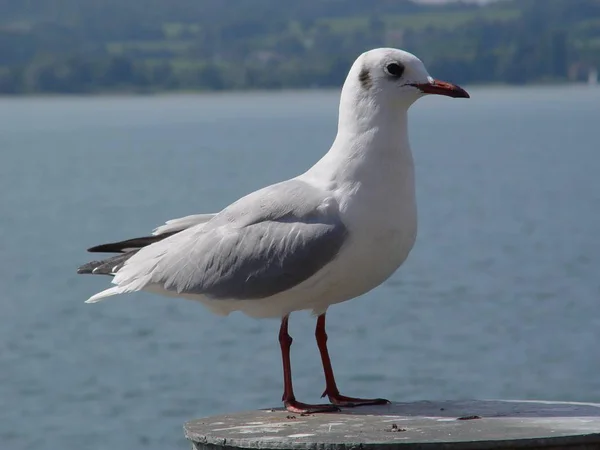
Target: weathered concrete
[[445, 425]]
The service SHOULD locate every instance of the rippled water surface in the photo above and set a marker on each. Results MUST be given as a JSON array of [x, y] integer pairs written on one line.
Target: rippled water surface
[[499, 299]]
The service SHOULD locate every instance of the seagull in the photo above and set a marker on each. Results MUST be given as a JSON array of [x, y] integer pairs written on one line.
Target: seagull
[[329, 235]]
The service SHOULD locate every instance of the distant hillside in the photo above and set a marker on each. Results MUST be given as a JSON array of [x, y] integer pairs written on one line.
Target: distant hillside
[[78, 46]]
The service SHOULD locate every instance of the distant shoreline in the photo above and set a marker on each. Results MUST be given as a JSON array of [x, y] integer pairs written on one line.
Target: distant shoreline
[[183, 92]]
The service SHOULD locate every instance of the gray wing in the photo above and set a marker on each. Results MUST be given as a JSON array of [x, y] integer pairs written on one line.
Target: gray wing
[[261, 245]]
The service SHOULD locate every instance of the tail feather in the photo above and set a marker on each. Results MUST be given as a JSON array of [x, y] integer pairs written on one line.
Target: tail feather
[[125, 249], [132, 286], [106, 293], [110, 266]]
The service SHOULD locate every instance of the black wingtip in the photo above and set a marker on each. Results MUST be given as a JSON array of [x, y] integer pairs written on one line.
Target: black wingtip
[[108, 266], [129, 244], [88, 268], [106, 248]]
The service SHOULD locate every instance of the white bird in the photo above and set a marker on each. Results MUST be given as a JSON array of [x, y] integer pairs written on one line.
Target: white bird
[[326, 236]]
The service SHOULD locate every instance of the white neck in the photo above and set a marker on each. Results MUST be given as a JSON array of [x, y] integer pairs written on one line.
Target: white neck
[[371, 145]]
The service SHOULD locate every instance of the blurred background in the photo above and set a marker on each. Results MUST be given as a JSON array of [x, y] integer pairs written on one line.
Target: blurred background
[[79, 46], [499, 298]]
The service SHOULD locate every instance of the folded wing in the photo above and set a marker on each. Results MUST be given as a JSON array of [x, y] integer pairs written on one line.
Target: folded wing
[[263, 244]]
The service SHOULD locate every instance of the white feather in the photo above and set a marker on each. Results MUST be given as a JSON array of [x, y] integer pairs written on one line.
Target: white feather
[[182, 223], [106, 293]]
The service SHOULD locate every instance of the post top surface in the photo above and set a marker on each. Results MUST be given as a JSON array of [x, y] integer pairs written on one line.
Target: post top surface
[[469, 424]]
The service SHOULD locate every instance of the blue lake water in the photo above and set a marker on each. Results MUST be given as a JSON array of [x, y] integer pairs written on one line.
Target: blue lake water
[[500, 297]]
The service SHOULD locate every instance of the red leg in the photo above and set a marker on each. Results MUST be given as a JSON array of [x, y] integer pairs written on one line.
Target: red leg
[[289, 399], [331, 389]]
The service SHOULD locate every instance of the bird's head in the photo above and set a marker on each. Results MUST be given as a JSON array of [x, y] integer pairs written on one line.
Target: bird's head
[[395, 77]]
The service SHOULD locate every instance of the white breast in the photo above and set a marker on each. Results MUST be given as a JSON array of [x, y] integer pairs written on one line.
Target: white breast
[[382, 225]]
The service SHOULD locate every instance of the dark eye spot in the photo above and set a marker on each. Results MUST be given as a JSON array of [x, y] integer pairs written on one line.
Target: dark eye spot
[[365, 78], [395, 69]]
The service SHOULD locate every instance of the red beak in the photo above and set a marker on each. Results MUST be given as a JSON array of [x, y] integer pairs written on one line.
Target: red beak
[[442, 88]]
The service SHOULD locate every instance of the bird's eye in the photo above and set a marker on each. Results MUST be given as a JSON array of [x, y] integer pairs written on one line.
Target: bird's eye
[[395, 69]]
